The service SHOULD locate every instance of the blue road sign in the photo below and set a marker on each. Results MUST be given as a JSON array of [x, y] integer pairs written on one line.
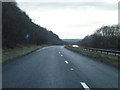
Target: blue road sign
[[27, 36]]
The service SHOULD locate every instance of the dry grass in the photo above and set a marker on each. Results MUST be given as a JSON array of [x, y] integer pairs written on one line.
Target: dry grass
[[109, 59], [8, 54]]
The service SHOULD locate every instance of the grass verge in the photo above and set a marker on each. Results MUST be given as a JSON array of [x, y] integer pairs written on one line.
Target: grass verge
[[20, 50], [109, 59]]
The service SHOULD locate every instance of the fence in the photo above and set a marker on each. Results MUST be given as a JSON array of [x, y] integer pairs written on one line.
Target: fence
[[113, 52]]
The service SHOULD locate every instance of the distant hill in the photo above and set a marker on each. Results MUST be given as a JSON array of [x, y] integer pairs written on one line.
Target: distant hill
[[71, 40]]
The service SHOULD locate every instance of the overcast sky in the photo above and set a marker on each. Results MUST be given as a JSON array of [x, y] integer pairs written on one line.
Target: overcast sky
[[71, 19]]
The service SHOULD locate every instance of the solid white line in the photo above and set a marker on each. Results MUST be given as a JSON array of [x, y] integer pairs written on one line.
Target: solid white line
[[38, 50], [42, 49], [66, 62], [85, 86]]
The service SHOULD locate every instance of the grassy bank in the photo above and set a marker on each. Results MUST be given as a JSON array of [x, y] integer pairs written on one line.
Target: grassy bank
[[109, 59], [8, 54]]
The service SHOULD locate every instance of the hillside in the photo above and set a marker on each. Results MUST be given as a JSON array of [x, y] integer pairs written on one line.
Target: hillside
[[18, 28], [106, 37]]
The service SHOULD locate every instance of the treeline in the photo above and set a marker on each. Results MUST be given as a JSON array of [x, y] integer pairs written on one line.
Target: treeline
[[18, 28], [106, 37]]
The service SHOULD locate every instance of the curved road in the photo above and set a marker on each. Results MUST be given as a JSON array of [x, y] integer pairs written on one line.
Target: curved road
[[57, 67]]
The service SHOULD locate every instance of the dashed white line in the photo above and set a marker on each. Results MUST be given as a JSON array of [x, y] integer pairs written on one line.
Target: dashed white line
[[61, 55], [71, 69], [66, 62], [85, 86]]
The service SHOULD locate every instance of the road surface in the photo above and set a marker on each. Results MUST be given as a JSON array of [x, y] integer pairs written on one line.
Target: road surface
[[57, 67]]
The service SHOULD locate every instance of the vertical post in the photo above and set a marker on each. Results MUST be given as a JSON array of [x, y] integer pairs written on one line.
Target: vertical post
[[107, 52]]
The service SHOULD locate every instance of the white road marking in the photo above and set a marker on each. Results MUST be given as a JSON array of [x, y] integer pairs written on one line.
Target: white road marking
[[45, 47], [71, 69], [66, 62], [42, 49], [38, 50], [85, 86], [61, 55]]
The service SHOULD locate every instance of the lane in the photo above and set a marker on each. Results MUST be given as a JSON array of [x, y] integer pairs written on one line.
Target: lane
[[92, 72], [44, 68], [57, 67]]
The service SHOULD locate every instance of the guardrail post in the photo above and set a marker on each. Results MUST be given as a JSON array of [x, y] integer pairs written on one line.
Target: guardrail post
[[107, 52]]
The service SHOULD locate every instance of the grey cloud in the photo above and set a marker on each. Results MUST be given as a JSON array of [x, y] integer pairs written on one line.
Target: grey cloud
[[88, 24], [56, 5], [7, 0]]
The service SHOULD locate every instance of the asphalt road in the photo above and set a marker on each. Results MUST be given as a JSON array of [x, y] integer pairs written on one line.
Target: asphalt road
[[57, 67]]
